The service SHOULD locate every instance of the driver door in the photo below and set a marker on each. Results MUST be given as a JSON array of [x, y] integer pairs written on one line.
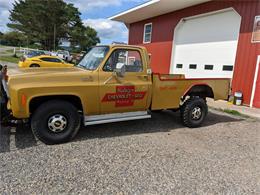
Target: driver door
[[126, 93]]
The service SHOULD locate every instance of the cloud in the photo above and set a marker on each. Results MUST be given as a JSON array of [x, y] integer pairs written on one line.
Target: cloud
[[107, 29], [6, 5], [91, 5]]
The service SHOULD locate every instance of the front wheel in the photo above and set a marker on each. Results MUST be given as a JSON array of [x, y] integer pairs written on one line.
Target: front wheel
[[193, 112], [55, 122]]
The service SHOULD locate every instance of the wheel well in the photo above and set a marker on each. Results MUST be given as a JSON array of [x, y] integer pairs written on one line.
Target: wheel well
[[202, 91], [37, 101], [34, 64]]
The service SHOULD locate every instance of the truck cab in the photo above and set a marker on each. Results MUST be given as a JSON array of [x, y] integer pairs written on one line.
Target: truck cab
[[111, 83]]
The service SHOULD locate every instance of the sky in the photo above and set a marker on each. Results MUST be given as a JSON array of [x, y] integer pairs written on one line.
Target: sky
[[95, 13]]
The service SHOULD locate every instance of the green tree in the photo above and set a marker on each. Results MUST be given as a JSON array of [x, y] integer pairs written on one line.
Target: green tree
[[14, 38], [85, 38], [91, 38], [46, 21]]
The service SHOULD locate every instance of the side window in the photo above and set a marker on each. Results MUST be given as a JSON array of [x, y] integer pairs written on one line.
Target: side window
[[46, 59], [147, 33], [51, 60], [56, 60], [131, 59]]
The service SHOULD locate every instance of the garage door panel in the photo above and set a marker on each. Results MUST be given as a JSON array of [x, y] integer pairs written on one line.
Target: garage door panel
[[208, 40], [218, 27]]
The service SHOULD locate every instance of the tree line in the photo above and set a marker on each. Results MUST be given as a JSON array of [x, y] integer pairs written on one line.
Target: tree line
[[45, 22]]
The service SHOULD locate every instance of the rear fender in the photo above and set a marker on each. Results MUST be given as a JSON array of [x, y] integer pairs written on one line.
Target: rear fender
[[202, 90]]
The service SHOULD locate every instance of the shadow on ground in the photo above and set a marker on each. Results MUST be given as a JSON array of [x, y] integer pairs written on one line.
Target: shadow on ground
[[22, 137]]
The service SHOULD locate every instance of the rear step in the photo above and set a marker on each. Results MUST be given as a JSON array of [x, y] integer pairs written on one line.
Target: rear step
[[110, 118]]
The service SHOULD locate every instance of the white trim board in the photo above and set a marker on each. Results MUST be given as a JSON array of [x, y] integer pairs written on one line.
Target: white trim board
[[254, 83]]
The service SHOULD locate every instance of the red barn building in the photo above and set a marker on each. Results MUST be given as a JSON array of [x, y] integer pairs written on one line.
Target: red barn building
[[201, 38]]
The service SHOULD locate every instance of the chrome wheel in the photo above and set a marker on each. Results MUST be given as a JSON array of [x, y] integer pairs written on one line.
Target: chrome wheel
[[57, 123], [196, 113]]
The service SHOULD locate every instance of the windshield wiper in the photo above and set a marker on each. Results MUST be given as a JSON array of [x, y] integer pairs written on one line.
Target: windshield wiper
[[82, 66]]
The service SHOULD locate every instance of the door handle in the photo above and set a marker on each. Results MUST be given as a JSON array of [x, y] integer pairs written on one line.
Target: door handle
[[85, 79]]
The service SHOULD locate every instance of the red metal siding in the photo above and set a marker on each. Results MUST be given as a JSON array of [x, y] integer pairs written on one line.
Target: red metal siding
[[163, 32]]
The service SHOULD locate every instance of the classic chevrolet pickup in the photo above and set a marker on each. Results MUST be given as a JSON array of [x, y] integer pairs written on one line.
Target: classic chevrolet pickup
[[111, 83]]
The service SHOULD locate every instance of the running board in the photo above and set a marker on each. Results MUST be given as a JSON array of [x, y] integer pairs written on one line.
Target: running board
[[110, 118]]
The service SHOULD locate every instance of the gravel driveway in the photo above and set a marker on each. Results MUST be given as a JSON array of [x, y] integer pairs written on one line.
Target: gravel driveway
[[155, 156]]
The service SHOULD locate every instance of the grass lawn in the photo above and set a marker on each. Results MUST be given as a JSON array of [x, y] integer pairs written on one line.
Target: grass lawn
[[9, 51], [9, 59]]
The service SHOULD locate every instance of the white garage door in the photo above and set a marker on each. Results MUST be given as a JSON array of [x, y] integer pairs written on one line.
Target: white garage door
[[205, 46]]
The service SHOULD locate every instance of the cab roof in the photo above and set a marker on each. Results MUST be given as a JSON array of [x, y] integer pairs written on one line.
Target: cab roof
[[123, 45]]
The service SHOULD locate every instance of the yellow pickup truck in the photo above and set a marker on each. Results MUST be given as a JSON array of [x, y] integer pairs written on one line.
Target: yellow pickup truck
[[110, 84]]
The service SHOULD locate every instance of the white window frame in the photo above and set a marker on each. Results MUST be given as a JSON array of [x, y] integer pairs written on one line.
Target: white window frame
[[150, 34], [130, 58], [252, 38]]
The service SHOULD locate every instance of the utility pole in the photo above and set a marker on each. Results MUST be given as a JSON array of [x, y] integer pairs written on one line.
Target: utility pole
[[54, 37]]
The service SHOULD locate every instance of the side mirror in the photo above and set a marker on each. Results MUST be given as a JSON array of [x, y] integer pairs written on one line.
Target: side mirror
[[120, 70]]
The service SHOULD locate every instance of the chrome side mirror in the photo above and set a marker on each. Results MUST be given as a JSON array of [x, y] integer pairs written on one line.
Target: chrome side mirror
[[120, 70]]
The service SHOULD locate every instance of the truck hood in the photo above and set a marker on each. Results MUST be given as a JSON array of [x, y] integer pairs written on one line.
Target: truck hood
[[42, 77], [30, 72]]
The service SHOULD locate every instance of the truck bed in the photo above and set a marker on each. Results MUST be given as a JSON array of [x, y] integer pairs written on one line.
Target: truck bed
[[167, 89]]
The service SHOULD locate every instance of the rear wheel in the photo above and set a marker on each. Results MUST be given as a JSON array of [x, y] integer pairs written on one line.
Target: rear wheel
[[193, 112], [34, 66], [55, 122]]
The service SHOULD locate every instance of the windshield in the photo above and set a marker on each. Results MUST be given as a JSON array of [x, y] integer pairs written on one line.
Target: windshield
[[35, 53], [62, 52], [93, 58]]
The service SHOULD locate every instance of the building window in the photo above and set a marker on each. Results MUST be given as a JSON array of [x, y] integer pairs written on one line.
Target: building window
[[227, 68], [208, 67], [147, 33], [179, 66], [193, 66]]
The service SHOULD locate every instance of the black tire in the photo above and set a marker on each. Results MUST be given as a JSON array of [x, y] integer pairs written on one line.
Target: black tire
[[157, 111], [34, 66], [193, 112], [40, 122]]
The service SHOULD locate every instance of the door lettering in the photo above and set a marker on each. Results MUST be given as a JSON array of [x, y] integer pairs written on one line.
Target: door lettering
[[124, 96]]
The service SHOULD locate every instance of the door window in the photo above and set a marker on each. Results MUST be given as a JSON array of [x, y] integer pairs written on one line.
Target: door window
[[51, 60], [131, 59]]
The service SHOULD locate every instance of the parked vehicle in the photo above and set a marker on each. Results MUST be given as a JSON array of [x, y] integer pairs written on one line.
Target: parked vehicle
[[34, 53], [43, 61], [110, 84], [65, 55], [80, 56]]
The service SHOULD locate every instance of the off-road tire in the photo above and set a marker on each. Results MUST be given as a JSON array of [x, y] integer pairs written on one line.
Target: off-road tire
[[34, 66], [39, 122], [186, 112]]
